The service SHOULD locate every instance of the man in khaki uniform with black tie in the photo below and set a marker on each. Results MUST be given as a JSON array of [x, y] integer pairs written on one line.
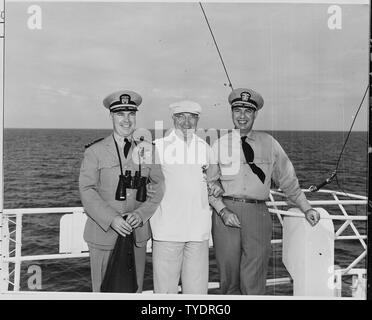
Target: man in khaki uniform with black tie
[[241, 224], [103, 162]]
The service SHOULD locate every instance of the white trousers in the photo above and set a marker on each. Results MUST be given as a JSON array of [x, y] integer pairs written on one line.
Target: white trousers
[[188, 260]]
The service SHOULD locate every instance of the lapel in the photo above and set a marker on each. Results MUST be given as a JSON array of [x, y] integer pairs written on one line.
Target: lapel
[[110, 146]]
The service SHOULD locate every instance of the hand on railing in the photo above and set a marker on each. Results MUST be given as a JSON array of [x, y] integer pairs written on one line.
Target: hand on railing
[[312, 216]]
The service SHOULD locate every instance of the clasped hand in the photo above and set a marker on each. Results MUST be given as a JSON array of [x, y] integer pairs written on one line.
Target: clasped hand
[[125, 227]]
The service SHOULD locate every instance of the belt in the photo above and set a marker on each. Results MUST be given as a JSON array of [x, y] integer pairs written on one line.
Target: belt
[[244, 200]]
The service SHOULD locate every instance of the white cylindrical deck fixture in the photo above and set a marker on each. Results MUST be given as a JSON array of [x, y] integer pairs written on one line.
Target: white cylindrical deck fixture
[[308, 255]]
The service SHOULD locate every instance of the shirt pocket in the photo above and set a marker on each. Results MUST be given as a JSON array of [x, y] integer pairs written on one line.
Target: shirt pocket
[[109, 173], [262, 160], [229, 170], [108, 163], [226, 172], [265, 164]]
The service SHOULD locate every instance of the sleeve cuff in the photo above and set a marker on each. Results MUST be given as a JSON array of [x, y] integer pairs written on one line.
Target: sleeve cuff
[[219, 206], [303, 203], [109, 221], [141, 215]]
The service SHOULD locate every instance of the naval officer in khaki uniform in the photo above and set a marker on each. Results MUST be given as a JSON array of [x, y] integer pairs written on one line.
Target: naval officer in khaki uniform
[[103, 162], [241, 224]]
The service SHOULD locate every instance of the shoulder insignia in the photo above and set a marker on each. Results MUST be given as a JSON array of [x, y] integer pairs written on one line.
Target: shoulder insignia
[[92, 143]]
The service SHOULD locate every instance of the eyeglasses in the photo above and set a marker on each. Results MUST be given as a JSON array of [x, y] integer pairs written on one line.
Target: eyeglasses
[[181, 117]]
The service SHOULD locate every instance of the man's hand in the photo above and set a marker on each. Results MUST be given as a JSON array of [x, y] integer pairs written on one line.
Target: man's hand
[[230, 219], [134, 219], [215, 189], [312, 216], [121, 226]]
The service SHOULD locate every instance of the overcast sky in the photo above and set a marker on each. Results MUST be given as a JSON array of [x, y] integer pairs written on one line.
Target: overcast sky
[[311, 77]]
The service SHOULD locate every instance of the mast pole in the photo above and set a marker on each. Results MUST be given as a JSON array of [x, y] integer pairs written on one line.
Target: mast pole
[[369, 206]]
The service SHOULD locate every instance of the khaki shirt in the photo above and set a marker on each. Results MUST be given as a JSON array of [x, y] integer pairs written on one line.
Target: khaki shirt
[[239, 181]]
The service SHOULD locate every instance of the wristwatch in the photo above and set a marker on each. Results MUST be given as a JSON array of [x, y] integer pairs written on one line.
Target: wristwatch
[[222, 212]]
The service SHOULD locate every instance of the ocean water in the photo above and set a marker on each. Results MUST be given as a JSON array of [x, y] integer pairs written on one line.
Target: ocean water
[[41, 169]]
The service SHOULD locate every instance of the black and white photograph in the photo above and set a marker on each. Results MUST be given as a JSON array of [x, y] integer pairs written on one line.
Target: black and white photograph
[[205, 150]]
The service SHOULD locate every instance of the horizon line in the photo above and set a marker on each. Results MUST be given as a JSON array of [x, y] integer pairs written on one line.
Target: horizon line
[[320, 130]]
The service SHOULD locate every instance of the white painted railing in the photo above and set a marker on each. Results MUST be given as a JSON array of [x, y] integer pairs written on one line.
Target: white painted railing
[[12, 219]]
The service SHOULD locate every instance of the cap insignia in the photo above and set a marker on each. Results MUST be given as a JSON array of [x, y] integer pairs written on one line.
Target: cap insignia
[[125, 98], [245, 96]]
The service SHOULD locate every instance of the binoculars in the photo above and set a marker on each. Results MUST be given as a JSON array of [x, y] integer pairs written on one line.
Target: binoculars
[[136, 182]]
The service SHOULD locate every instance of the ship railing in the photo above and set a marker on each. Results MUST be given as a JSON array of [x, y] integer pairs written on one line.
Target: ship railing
[[72, 245]]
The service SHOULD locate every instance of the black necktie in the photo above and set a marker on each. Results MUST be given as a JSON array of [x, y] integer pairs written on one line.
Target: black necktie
[[249, 157], [127, 146]]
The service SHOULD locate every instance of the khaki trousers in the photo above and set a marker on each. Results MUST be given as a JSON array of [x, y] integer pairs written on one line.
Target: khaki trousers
[[98, 263], [242, 254]]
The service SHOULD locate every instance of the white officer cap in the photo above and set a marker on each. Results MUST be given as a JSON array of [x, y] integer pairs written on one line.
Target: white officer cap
[[185, 106]]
